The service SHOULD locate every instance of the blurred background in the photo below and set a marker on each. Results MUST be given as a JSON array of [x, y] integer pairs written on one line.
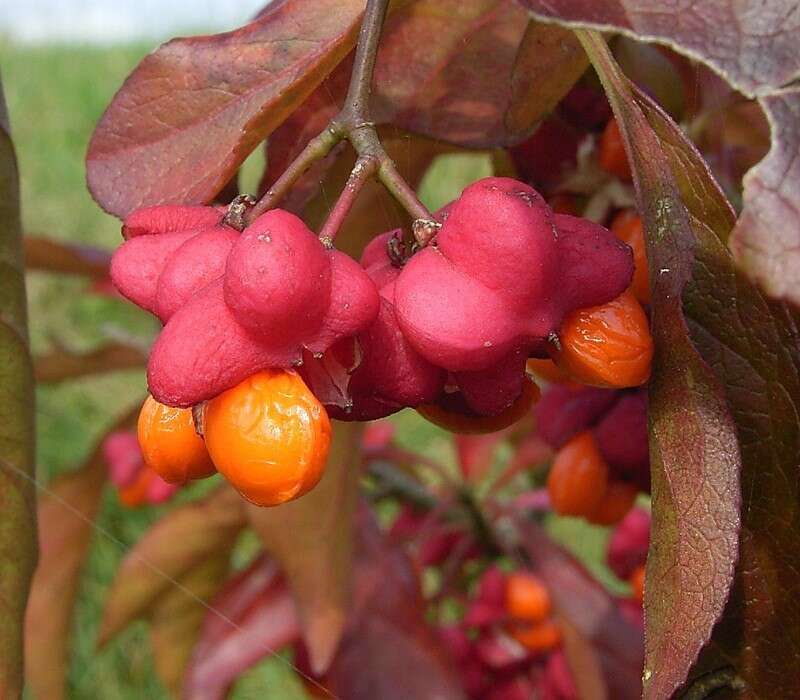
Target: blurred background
[[61, 62]]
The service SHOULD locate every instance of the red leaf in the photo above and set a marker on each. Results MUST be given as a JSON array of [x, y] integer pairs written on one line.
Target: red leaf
[[312, 540], [252, 616], [193, 110], [766, 239], [61, 364], [54, 256], [472, 73], [388, 651], [752, 345], [754, 47], [695, 459]]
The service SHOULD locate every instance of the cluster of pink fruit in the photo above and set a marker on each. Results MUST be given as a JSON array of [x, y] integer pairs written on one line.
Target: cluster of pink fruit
[[453, 327], [508, 646]]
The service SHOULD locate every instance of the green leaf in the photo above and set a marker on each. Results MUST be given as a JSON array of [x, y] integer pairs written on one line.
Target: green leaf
[[66, 516], [18, 550], [695, 460], [312, 539]]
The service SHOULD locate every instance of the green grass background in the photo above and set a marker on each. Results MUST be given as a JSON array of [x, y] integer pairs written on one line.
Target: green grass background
[[55, 96]]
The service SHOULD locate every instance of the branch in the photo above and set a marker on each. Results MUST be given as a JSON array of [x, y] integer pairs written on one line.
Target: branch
[[362, 171], [316, 149], [355, 124]]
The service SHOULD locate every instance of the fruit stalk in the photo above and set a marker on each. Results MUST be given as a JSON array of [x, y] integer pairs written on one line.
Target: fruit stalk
[[355, 124]]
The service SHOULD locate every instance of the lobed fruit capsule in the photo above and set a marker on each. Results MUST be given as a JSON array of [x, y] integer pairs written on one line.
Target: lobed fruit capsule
[[452, 413], [170, 445], [391, 374], [469, 301], [235, 304], [527, 598], [503, 273], [611, 155], [278, 279], [608, 345], [628, 227], [269, 436], [578, 478]]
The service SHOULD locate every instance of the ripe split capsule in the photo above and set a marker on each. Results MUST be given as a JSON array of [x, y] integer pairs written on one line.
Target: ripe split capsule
[[269, 436], [170, 445], [607, 346]]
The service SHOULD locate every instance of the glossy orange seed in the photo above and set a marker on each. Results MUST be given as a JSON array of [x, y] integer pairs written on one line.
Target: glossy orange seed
[[527, 598], [607, 346], [578, 477], [269, 436], [541, 636], [611, 153], [170, 445], [628, 227]]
